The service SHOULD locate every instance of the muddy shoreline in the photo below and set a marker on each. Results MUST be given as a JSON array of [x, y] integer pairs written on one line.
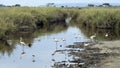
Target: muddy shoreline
[[100, 54], [113, 48]]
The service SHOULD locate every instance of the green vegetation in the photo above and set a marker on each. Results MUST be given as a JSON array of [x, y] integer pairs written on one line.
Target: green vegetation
[[5, 49], [15, 18], [51, 20], [48, 18], [99, 18]]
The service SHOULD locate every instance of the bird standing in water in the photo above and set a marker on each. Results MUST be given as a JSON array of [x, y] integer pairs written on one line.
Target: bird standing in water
[[56, 41], [64, 42], [92, 37], [21, 42]]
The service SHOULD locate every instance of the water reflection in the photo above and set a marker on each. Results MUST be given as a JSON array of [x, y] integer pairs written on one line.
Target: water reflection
[[101, 33], [74, 55], [5, 48], [68, 48], [80, 56]]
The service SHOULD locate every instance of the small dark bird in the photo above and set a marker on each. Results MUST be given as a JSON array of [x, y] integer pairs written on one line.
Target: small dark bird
[[60, 45], [29, 44]]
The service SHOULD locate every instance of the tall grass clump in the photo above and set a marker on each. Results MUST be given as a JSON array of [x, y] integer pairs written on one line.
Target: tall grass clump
[[14, 18], [99, 17]]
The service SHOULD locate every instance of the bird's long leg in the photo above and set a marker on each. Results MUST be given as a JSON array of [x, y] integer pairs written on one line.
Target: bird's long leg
[[56, 45]]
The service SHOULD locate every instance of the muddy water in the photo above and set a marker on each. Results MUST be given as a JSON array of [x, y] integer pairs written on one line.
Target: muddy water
[[40, 52]]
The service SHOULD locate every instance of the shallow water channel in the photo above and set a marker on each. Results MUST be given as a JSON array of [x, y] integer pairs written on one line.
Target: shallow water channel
[[63, 49], [40, 54]]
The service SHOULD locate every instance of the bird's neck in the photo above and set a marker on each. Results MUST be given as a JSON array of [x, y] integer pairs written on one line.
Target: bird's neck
[[20, 40]]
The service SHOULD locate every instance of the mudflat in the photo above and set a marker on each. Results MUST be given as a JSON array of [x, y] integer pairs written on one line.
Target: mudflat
[[113, 49]]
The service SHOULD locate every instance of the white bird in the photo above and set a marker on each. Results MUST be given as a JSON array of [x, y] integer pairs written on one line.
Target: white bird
[[93, 36], [86, 44], [63, 39], [56, 40], [21, 42], [106, 35]]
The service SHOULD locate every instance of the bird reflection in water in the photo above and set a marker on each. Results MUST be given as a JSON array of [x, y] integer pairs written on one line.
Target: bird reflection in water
[[33, 58], [22, 53], [56, 42], [22, 44]]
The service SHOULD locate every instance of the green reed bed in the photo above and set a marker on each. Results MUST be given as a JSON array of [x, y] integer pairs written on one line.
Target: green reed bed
[[12, 18], [99, 17]]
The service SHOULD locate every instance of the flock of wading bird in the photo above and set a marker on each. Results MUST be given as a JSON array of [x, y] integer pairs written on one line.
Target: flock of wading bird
[[56, 64], [76, 36], [92, 39]]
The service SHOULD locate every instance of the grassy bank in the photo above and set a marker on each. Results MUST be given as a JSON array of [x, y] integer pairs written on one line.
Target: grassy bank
[[99, 20], [14, 18], [99, 17]]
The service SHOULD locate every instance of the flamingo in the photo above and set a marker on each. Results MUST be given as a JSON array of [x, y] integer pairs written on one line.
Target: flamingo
[[56, 41], [21, 42], [64, 40], [106, 35], [92, 37], [86, 44]]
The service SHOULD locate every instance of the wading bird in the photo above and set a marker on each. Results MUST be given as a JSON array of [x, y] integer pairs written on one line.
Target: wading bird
[[21, 42], [64, 41], [56, 41], [86, 45], [106, 35], [92, 37], [23, 52]]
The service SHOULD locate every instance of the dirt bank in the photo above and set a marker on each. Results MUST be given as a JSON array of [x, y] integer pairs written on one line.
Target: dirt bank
[[112, 48]]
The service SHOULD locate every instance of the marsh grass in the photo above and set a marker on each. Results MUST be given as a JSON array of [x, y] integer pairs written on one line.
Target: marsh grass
[[95, 17], [90, 20], [12, 18]]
